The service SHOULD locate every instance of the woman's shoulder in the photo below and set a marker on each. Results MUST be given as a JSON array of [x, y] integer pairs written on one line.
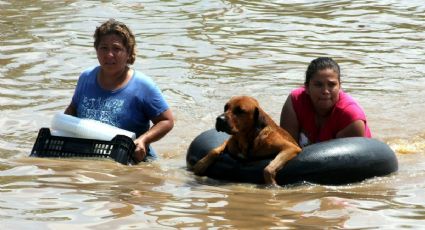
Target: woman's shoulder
[[141, 77], [88, 75], [299, 96], [298, 91], [349, 106], [143, 81], [346, 100], [90, 71]]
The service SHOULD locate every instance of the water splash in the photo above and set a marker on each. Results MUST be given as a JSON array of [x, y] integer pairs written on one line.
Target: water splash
[[408, 146]]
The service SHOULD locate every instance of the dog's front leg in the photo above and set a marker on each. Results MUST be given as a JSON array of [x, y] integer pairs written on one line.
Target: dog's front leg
[[201, 166], [277, 163]]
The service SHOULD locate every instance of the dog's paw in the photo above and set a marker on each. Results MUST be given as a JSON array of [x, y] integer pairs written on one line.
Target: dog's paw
[[269, 176]]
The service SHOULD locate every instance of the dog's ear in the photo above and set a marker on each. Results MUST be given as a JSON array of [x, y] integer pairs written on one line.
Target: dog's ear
[[260, 120]]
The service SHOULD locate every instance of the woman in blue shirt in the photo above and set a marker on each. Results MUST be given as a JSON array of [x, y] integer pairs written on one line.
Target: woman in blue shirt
[[115, 94]]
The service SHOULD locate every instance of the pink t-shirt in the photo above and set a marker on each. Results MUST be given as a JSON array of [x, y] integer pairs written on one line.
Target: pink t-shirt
[[346, 111]]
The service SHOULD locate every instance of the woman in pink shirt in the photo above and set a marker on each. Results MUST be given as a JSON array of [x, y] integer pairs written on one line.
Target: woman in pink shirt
[[321, 110]]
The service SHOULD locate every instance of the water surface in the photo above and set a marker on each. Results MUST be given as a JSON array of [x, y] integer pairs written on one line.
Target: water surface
[[201, 52]]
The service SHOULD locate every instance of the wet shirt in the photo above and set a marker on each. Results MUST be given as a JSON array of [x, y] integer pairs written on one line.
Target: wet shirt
[[346, 111], [130, 107]]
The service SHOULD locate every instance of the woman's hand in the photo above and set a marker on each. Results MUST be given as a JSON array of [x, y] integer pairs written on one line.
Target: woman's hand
[[162, 124], [140, 151]]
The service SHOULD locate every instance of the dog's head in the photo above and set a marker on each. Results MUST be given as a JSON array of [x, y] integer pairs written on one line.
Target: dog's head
[[241, 114]]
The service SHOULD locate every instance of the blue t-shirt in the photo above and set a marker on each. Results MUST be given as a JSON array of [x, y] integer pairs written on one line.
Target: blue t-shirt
[[131, 107]]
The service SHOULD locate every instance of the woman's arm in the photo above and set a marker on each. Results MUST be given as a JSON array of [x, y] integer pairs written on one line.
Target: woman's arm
[[162, 124], [355, 129], [70, 110], [288, 119]]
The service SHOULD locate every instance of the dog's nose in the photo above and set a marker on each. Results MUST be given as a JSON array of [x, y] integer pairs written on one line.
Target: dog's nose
[[221, 124]]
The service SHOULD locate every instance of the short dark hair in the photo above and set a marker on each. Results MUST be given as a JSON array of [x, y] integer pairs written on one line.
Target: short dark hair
[[321, 63], [115, 27]]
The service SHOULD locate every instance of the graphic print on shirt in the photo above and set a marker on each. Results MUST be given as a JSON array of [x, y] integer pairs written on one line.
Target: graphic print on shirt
[[106, 110]]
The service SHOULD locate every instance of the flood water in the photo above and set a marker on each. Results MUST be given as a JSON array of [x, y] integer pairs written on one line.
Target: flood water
[[201, 52]]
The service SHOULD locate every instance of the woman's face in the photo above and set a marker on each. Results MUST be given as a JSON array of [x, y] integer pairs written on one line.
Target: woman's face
[[111, 53], [323, 89]]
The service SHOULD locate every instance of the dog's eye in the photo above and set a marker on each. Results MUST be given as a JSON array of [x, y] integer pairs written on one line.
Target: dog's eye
[[226, 107], [238, 111]]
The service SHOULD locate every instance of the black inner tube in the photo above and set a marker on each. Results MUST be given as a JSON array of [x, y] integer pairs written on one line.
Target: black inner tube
[[335, 162]]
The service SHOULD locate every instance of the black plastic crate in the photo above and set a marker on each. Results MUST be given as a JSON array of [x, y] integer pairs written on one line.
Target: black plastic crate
[[120, 148]]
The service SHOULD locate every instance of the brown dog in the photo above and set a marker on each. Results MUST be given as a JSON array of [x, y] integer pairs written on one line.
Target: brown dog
[[253, 135]]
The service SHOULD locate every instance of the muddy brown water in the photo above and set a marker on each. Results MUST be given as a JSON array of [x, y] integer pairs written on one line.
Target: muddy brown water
[[201, 52]]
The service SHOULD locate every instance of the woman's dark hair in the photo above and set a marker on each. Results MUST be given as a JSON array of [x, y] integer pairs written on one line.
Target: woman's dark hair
[[118, 28], [318, 64]]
